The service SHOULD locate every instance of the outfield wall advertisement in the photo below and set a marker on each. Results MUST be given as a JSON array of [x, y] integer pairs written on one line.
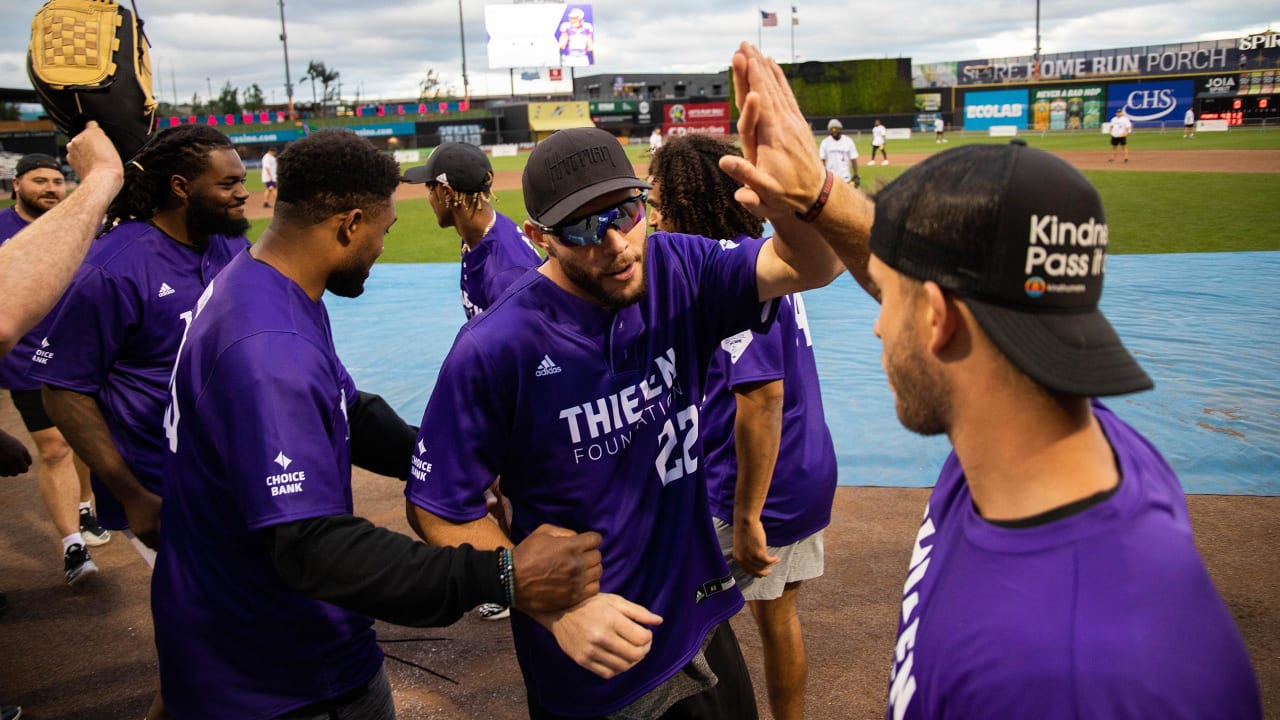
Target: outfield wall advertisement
[[1067, 108], [1152, 104], [985, 109], [685, 118]]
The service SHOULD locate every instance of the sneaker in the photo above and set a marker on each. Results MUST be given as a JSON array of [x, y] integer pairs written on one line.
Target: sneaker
[[493, 611], [10, 712], [884, 162], [77, 565], [93, 533]]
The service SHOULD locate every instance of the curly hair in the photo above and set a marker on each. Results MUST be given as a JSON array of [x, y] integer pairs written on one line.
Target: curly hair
[[697, 197], [332, 171], [183, 150]]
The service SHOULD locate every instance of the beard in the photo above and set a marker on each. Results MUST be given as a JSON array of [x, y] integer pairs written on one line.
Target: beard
[[215, 221], [922, 397], [612, 299], [348, 282]]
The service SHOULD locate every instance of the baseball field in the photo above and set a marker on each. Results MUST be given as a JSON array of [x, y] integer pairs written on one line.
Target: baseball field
[[89, 653]]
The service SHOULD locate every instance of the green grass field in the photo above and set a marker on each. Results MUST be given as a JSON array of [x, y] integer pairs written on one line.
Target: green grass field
[[1149, 212]]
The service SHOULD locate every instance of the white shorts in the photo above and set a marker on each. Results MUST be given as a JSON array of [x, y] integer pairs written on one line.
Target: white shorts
[[798, 561]]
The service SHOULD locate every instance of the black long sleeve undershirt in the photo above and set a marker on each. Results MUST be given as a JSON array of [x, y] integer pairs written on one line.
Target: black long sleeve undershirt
[[381, 441], [352, 563]]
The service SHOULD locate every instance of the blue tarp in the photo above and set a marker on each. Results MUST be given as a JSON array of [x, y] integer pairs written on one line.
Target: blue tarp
[[1205, 326]]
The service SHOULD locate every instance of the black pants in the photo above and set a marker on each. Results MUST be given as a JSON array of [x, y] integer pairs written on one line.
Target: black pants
[[733, 697]]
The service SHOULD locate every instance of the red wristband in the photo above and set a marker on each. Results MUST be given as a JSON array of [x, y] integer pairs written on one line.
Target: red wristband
[[816, 209]]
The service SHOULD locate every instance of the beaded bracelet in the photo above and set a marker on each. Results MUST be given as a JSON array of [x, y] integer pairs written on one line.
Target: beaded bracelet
[[507, 575], [821, 202]]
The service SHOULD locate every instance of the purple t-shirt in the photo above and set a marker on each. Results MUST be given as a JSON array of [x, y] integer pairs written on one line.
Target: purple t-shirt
[[117, 331], [1105, 613], [804, 478], [590, 417], [13, 367], [499, 259], [257, 436]]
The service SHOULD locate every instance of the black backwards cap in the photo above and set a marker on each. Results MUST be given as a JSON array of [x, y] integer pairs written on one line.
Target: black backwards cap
[[35, 161], [570, 169], [462, 166], [1022, 237]]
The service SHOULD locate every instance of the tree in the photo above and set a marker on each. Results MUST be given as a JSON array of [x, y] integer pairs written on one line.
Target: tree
[[197, 108], [228, 101], [431, 88], [316, 70], [253, 100]]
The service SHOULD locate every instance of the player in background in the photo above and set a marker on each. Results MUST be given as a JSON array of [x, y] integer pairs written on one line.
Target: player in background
[[655, 140], [269, 173], [495, 252], [1121, 127], [839, 153], [878, 135], [582, 388], [64, 482], [178, 220], [770, 463], [577, 39], [1055, 574], [266, 581], [939, 130]]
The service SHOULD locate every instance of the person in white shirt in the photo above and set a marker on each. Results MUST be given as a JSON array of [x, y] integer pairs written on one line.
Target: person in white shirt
[[269, 177], [939, 128], [1121, 126], [1189, 124], [877, 143], [655, 140], [839, 154]]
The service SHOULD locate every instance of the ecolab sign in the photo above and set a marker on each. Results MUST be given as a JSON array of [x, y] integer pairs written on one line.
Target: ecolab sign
[[995, 107], [1152, 104]]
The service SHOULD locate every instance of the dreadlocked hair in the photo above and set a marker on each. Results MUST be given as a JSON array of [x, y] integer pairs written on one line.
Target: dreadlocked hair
[[183, 150], [697, 196], [471, 201], [333, 171]]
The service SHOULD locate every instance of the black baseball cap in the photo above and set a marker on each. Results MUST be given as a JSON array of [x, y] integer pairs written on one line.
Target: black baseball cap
[[35, 161], [570, 169], [462, 166], [1022, 237]]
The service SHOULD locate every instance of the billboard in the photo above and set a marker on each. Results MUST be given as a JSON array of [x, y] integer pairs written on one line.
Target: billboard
[[684, 118], [995, 107], [1152, 104], [1067, 108], [540, 35]]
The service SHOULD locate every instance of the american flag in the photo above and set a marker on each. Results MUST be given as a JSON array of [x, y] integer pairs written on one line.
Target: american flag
[[768, 19]]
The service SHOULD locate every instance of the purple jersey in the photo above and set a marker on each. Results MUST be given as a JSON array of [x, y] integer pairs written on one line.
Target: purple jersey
[[257, 436], [804, 479], [1104, 613], [117, 331], [499, 259], [591, 419], [13, 367]]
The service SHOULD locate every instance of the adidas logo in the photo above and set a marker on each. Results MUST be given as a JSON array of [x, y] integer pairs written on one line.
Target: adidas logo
[[546, 367], [165, 290]]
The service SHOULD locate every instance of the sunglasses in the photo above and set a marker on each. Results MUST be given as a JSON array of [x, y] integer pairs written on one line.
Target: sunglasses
[[591, 229]]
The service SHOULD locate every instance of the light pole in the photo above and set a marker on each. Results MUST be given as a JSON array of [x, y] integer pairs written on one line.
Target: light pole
[[466, 88], [288, 81], [1037, 57]]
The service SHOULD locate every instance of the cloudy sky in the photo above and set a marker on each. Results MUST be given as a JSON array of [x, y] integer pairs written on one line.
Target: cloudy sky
[[383, 48]]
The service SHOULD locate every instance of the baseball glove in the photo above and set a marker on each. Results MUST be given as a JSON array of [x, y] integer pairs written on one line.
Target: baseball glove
[[89, 60]]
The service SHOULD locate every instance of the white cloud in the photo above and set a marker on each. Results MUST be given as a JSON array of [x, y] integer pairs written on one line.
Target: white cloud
[[386, 46]]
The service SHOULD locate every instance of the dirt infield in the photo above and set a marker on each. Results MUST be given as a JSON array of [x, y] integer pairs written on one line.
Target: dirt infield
[[1231, 161], [87, 653]]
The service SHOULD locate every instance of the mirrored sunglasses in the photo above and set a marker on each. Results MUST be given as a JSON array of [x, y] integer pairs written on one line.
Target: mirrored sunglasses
[[591, 230]]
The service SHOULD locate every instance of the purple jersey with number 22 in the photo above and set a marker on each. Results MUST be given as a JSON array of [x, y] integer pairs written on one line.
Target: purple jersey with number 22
[[590, 417]]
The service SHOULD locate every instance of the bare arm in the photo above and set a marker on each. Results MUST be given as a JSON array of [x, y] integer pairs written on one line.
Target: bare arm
[[757, 433], [783, 176], [80, 420], [37, 264], [605, 633]]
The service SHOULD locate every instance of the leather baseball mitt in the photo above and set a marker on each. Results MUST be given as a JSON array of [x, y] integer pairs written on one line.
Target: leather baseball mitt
[[89, 60]]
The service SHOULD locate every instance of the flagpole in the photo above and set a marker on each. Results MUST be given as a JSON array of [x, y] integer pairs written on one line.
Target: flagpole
[[759, 31], [793, 34]]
